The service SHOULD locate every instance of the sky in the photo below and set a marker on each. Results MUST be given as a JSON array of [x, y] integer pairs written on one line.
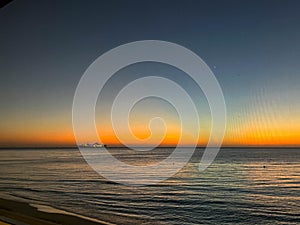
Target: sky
[[252, 47]]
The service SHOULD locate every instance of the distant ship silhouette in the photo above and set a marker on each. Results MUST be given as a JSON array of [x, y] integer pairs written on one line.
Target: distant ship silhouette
[[95, 145]]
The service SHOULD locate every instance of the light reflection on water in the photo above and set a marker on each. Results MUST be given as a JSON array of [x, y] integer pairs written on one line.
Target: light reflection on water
[[243, 186]]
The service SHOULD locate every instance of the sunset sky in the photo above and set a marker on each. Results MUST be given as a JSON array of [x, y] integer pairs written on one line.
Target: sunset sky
[[252, 47]]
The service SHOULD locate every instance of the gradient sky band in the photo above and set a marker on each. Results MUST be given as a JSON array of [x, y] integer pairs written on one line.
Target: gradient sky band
[[98, 73]]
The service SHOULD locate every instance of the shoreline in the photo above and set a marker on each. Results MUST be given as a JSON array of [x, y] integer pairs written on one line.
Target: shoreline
[[21, 213], [15, 211]]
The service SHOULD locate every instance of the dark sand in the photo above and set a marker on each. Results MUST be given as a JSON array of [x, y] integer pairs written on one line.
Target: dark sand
[[21, 213], [13, 212]]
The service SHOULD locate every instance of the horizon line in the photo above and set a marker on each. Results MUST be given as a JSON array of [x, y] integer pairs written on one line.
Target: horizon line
[[169, 146]]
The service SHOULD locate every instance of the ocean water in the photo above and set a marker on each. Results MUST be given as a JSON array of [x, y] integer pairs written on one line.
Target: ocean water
[[242, 186]]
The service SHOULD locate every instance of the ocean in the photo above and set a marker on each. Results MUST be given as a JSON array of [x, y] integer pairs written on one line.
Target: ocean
[[242, 186]]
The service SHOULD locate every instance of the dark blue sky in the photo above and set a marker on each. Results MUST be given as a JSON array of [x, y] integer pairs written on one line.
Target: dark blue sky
[[251, 46]]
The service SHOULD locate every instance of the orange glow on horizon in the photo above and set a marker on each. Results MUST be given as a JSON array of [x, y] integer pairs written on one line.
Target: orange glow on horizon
[[251, 133], [247, 137]]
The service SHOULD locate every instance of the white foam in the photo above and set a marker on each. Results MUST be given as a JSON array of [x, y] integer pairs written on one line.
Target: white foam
[[49, 209]]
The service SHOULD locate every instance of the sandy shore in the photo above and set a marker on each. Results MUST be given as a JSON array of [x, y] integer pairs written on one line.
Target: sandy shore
[[19, 213], [14, 212]]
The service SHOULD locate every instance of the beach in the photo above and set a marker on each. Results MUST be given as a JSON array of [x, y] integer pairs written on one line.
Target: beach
[[13, 212], [22, 213]]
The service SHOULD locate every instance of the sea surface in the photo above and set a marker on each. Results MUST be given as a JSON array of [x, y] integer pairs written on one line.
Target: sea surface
[[242, 186]]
